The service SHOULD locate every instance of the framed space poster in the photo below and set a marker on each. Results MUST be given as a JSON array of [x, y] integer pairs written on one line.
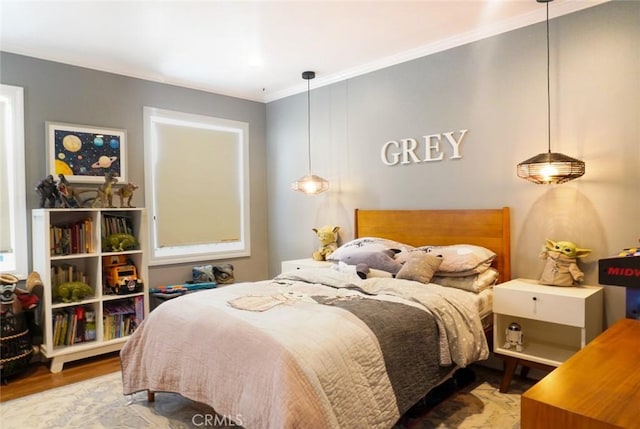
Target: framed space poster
[[85, 154]]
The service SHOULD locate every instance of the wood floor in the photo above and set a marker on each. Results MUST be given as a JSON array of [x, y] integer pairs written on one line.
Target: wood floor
[[38, 378]]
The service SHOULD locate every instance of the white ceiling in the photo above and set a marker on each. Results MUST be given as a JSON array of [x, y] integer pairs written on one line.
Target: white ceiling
[[255, 50]]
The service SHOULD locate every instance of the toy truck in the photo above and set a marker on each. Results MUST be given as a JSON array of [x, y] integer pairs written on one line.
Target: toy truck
[[123, 279]]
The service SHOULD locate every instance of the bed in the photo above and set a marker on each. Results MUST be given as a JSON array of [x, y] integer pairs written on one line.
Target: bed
[[324, 345]]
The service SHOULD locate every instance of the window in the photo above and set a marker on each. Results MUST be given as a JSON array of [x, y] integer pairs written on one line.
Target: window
[[13, 210], [197, 186]]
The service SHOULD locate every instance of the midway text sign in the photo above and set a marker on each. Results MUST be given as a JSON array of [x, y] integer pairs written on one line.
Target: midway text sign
[[429, 149]]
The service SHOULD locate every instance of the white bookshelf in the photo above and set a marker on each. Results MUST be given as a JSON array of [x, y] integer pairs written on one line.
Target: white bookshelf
[[87, 257]]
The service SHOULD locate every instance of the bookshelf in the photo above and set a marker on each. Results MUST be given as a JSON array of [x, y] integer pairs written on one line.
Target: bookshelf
[[69, 253]]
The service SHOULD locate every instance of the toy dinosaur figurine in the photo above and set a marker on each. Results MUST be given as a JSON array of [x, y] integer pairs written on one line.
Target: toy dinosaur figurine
[[119, 242], [69, 196], [561, 268], [126, 193], [72, 291], [105, 191]]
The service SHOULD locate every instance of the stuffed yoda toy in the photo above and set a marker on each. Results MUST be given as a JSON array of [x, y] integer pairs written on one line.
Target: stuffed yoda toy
[[328, 236], [560, 268]]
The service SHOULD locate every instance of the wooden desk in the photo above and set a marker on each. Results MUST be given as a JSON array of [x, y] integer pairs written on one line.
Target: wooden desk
[[597, 388]]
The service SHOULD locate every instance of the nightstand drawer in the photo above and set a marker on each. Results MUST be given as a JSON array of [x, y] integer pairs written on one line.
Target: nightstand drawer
[[556, 304], [566, 310]]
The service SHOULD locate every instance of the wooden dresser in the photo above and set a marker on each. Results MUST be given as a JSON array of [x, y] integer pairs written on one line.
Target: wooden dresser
[[597, 388]]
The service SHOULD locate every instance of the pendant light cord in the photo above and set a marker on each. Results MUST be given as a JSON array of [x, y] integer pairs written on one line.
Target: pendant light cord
[[309, 122], [548, 88]]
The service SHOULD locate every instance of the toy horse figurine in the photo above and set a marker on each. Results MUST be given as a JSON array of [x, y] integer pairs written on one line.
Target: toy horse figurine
[[561, 268]]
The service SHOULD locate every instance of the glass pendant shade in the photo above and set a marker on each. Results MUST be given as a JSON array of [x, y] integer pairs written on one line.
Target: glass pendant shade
[[310, 184], [550, 168]]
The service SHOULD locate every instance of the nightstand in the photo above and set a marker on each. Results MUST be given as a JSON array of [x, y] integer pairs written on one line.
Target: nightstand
[[556, 322], [297, 264]]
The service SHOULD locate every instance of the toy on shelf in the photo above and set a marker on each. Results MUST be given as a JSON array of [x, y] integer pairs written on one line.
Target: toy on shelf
[[121, 275], [105, 191], [48, 192], [69, 196], [72, 291], [514, 337], [119, 242], [126, 194], [561, 268]]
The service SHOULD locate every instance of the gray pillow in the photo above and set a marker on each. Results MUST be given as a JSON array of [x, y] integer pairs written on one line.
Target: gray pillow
[[419, 267], [367, 245]]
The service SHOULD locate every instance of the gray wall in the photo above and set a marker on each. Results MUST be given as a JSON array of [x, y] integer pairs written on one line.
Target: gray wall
[[63, 93], [495, 88]]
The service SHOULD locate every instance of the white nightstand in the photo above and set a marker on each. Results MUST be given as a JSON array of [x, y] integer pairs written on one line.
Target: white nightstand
[[556, 322], [297, 264]]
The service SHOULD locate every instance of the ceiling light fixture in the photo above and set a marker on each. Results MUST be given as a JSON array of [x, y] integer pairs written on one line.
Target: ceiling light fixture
[[550, 168], [310, 184]]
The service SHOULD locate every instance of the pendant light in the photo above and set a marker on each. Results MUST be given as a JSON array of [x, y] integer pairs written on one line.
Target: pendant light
[[310, 184], [550, 167]]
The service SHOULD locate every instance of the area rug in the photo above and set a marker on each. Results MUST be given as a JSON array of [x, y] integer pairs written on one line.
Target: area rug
[[99, 403]]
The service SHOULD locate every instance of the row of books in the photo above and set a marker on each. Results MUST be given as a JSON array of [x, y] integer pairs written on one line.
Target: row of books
[[72, 238], [114, 224], [119, 325], [73, 326], [78, 237], [122, 317], [67, 273]]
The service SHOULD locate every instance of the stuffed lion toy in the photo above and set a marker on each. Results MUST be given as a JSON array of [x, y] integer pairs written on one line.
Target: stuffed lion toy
[[560, 268]]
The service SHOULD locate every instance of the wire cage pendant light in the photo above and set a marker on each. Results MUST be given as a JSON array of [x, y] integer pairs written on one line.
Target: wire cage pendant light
[[310, 184], [550, 167]]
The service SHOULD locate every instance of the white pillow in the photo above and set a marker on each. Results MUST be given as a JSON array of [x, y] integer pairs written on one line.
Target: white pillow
[[473, 283], [459, 259]]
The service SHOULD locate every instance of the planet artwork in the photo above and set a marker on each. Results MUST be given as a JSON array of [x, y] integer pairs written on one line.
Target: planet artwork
[[71, 143], [87, 154]]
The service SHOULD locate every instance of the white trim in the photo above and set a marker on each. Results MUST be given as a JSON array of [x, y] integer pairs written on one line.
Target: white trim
[[196, 252], [14, 97], [521, 21]]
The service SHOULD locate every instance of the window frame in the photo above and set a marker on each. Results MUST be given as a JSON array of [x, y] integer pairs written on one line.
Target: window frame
[[205, 251], [17, 262]]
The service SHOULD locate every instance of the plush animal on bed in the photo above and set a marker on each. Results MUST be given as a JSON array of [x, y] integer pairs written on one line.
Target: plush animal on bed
[[561, 268], [378, 260], [328, 236]]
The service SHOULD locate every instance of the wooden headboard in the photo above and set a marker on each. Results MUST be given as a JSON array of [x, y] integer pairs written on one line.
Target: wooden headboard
[[489, 228]]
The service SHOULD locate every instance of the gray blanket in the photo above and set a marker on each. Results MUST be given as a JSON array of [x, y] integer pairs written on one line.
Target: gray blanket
[[409, 342]]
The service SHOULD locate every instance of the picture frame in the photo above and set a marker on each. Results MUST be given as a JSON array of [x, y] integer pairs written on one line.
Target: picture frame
[[85, 153]]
